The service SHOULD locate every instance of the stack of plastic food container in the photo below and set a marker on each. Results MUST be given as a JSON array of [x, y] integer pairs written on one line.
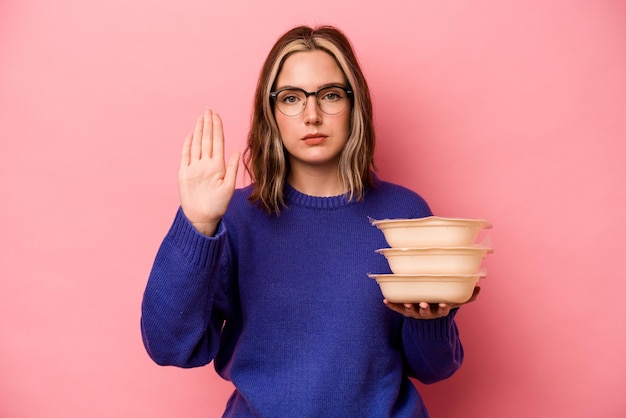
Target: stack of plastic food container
[[433, 259]]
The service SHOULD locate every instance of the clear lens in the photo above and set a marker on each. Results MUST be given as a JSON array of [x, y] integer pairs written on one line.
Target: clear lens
[[332, 100], [291, 102]]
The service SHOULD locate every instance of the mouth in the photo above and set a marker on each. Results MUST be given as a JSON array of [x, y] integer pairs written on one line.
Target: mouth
[[314, 138]]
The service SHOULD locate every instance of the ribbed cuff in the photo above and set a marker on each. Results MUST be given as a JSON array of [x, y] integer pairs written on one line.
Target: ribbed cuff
[[432, 329], [199, 249]]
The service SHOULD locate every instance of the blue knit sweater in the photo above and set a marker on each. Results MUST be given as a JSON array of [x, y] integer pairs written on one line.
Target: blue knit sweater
[[284, 307]]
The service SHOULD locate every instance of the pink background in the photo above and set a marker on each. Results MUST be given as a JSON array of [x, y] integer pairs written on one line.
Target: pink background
[[511, 111]]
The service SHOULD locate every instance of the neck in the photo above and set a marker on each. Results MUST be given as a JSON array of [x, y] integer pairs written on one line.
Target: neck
[[316, 182]]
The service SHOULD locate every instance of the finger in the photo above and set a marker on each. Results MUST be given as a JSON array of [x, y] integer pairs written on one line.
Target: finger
[[416, 311], [408, 309], [396, 307], [196, 142], [218, 137], [185, 155], [207, 134], [443, 309], [231, 170]]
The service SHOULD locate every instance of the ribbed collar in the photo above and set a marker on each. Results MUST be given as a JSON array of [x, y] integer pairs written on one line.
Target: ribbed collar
[[295, 197]]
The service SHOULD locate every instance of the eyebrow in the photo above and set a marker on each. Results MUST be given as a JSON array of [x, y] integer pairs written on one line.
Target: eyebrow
[[318, 88]]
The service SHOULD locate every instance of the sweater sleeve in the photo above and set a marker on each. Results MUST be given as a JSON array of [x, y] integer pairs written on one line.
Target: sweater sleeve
[[432, 348], [180, 319]]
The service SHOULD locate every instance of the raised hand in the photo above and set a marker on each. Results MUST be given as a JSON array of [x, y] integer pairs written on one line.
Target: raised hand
[[205, 183]]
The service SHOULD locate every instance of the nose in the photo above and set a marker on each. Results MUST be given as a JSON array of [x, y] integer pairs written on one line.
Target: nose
[[312, 113]]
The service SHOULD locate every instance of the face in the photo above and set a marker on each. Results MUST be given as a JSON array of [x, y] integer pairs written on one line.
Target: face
[[313, 138]]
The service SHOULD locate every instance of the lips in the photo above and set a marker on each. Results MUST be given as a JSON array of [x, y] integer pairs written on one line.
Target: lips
[[314, 138]]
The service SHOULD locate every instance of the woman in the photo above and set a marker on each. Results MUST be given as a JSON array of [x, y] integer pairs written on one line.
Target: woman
[[270, 281]]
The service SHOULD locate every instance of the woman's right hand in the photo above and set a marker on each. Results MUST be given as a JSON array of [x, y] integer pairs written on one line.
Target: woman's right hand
[[205, 183]]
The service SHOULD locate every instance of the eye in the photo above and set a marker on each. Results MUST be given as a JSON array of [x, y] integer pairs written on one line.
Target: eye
[[290, 97], [332, 95]]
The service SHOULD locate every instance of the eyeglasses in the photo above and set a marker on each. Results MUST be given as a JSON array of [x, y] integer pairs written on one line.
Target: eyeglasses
[[331, 100]]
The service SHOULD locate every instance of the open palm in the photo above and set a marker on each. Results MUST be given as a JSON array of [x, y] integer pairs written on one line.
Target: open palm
[[205, 183]]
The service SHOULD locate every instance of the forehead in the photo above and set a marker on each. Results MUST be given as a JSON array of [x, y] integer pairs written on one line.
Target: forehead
[[309, 70]]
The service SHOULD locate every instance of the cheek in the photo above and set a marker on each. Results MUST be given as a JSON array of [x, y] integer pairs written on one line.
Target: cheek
[[284, 125], [346, 124]]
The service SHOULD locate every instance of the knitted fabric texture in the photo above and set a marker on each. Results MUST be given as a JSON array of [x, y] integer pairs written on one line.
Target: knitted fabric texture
[[284, 308]]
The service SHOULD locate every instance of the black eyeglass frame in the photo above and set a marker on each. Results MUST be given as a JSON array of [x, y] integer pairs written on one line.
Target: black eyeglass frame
[[347, 90]]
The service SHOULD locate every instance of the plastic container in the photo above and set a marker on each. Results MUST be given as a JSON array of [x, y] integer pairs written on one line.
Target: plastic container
[[431, 231], [452, 260], [399, 288]]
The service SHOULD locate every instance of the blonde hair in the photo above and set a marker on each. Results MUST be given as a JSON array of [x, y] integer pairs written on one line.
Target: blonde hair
[[265, 157]]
